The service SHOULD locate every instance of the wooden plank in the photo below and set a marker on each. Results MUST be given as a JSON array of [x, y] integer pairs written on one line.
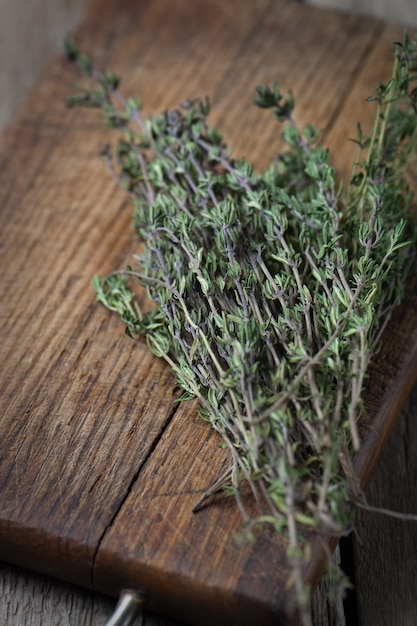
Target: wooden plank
[[98, 471], [383, 545], [385, 548], [30, 599]]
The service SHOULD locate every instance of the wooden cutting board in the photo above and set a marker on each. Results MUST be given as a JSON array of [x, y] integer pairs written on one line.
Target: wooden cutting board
[[99, 470]]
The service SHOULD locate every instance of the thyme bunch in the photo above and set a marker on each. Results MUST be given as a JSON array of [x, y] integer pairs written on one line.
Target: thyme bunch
[[270, 289]]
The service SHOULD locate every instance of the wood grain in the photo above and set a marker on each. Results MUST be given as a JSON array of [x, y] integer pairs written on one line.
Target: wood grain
[[385, 548], [99, 470], [29, 599]]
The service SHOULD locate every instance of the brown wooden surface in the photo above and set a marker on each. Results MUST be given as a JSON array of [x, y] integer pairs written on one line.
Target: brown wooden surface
[[99, 470]]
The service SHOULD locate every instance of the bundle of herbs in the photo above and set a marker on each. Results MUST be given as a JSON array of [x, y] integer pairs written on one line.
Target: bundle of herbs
[[270, 289]]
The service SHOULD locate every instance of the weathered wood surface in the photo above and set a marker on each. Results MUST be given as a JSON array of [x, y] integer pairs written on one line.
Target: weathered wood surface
[[385, 561], [31, 599], [385, 548], [99, 471]]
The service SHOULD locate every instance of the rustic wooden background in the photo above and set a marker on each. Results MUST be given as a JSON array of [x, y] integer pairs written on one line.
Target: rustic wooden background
[[385, 550]]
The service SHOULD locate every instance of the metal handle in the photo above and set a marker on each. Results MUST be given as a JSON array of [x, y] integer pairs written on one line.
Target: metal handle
[[127, 609]]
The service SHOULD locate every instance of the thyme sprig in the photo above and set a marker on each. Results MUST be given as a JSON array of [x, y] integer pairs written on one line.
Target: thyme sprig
[[270, 289]]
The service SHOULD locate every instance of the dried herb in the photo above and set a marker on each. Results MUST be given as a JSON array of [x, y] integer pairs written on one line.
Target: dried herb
[[271, 289]]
